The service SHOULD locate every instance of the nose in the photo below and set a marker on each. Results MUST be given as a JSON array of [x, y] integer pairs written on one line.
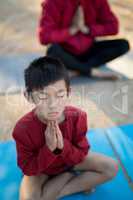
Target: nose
[[52, 103]]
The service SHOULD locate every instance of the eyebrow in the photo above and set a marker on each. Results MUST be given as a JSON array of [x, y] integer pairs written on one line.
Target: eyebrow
[[59, 91]]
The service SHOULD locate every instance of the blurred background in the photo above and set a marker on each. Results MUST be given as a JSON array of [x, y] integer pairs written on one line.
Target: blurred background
[[19, 20], [106, 104]]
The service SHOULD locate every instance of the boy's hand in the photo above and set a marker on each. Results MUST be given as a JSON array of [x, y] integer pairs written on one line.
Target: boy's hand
[[60, 142], [50, 136]]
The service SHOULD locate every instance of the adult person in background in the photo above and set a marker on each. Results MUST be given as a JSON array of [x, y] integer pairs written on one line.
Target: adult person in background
[[71, 27]]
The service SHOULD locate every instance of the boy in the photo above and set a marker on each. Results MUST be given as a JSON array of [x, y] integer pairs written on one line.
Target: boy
[[52, 149], [71, 28]]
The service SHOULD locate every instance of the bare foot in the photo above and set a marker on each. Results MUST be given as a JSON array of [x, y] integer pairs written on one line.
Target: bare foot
[[105, 75], [73, 73]]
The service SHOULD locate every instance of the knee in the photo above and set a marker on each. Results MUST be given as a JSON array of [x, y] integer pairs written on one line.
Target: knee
[[54, 50], [29, 197], [124, 46], [28, 190], [110, 169], [25, 196]]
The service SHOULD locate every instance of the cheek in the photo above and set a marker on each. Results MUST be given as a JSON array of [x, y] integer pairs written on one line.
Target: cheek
[[63, 103], [42, 107]]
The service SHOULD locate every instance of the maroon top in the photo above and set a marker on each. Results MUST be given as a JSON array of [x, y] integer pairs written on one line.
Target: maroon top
[[57, 16], [33, 155]]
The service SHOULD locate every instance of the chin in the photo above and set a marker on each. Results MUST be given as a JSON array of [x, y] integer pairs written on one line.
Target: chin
[[52, 118], [56, 117]]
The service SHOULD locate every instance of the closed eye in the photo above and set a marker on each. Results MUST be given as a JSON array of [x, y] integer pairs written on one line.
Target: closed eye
[[61, 96], [42, 96]]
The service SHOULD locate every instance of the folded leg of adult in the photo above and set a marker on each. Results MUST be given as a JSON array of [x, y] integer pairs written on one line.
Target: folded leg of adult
[[103, 52], [70, 61]]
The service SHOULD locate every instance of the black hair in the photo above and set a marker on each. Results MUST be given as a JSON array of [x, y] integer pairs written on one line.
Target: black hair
[[44, 71]]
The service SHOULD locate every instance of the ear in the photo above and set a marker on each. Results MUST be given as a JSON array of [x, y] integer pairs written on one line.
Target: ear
[[28, 97]]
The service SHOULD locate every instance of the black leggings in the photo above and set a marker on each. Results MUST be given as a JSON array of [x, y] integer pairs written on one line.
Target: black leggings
[[100, 53]]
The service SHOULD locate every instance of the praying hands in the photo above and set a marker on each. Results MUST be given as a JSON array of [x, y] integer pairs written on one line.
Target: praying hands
[[78, 22], [53, 135]]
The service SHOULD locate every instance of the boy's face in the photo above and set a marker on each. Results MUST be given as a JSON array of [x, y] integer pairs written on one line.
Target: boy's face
[[51, 101]]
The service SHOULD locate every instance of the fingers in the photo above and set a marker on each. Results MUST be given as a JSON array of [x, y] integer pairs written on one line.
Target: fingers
[[55, 128], [81, 13], [75, 18], [50, 129], [53, 125], [85, 30], [58, 132]]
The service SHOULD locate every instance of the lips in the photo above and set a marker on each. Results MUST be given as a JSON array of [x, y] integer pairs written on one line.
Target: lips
[[53, 113]]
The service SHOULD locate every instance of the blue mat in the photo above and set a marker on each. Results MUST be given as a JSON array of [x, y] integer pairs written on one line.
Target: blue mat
[[10, 175], [122, 140], [115, 189]]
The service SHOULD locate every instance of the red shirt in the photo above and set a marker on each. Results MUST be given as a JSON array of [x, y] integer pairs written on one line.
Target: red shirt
[[57, 16], [33, 155]]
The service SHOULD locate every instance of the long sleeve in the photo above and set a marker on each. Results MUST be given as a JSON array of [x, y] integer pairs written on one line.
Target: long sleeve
[[49, 30], [107, 22], [30, 161], [74, 153], [79, 43]]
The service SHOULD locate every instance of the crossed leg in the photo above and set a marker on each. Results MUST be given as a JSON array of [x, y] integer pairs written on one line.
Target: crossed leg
[[43, 187], [31, 187], [97, 168]]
